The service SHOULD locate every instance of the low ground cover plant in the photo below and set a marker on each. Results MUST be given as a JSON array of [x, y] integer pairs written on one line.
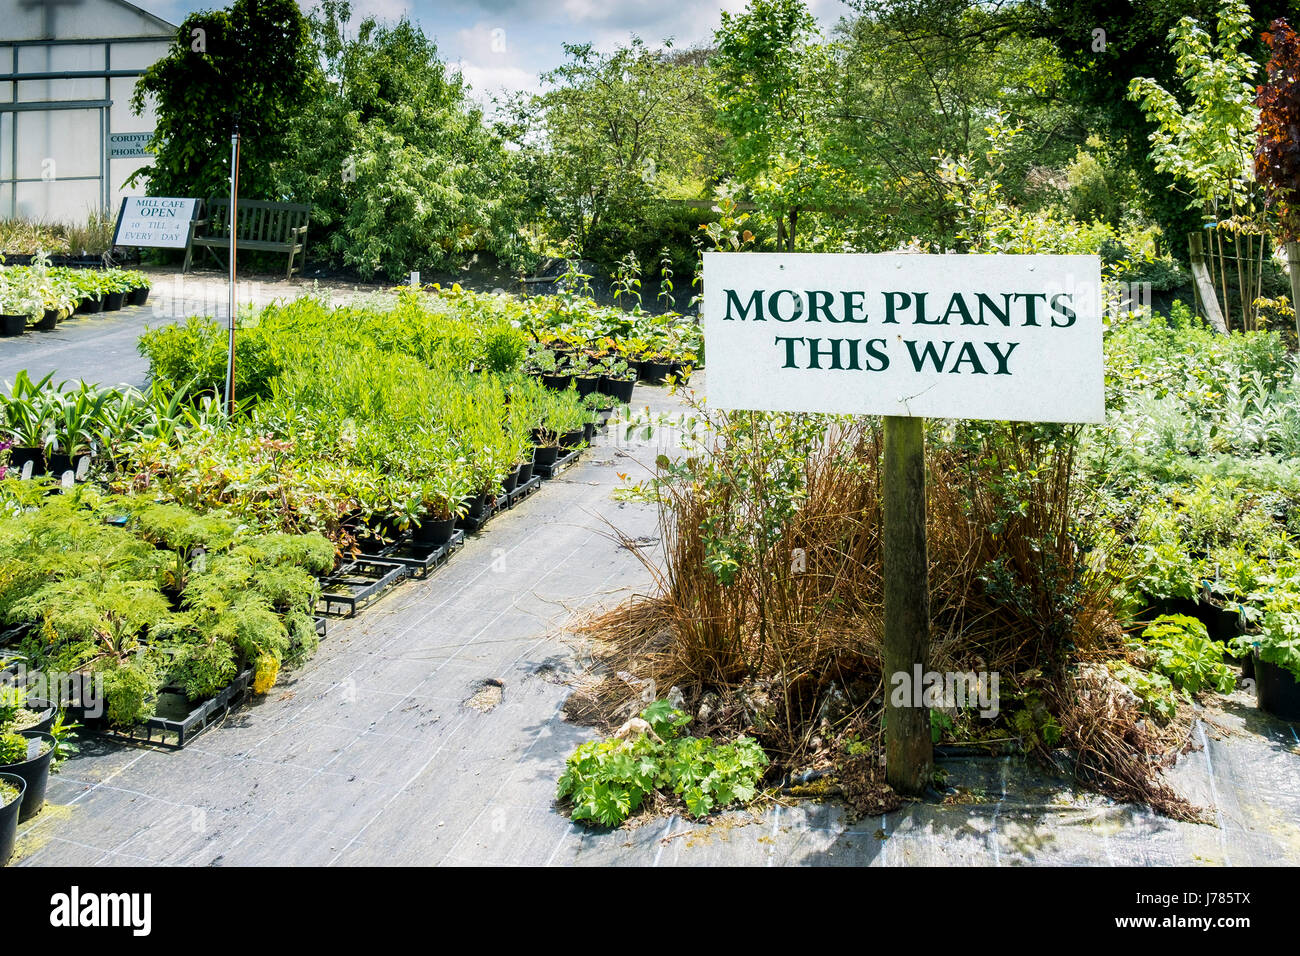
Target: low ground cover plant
[[146, 595]]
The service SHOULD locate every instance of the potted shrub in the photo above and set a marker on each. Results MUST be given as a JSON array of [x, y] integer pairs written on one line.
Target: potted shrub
[[1276, 653], [618, 379], [443, 501], [27, 416], [12, 790], [565, 416], [28, 755], [19, 712], [20, 300], [75, 419], [138, 293], [115, 285], [656, 367], [586, 375], [90, 291]]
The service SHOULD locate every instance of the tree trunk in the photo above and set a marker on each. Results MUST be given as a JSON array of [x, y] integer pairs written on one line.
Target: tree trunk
[[909, 751]]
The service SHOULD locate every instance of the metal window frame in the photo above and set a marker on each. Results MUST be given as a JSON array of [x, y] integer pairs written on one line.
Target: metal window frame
[[14, 106]]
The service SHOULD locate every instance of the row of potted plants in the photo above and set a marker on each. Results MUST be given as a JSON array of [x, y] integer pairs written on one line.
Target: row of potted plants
[[1221, 556], [570, 323], [34, 737], [47, 427], [40, 295], [417, 416]]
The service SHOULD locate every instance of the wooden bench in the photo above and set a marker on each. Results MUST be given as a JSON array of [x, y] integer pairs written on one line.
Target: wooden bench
[[260, 226]]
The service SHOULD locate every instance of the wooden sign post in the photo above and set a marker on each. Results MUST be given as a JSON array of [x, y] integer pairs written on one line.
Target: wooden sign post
[[909, 750], [1008, 338]]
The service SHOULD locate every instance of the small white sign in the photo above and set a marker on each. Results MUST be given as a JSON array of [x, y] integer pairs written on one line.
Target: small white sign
[[128, 145], [155, 222], [1006, 338]]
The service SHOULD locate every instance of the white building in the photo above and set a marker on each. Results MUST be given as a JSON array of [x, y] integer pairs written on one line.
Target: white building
[[67, 69]]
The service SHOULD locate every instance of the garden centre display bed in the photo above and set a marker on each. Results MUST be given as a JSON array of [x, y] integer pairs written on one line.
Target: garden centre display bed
[[176, 721], [355, 585]]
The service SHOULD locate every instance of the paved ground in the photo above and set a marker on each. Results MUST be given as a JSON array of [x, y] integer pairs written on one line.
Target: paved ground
[[370, 755]]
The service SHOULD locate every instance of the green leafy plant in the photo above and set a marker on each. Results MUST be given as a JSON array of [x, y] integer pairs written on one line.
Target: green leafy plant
[[1178, 647], [608, 781]]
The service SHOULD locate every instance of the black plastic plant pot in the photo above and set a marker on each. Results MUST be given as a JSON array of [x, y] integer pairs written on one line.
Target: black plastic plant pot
[[478, 505], [654, 373], [46, 711], [138, 295], [510, 481], [545, 456], [524, 473], [587, 385], [13, 324], [571, 439], [434, 533], [19, 457], [9, 816], [588, 432], [1158, 606], [1221, 623], [557, 383], [679, 371], [59, 463], [113, 301], [90, 305], [620, 388], [1247, 666], [36, 771], [1276, 690], [48, 321]]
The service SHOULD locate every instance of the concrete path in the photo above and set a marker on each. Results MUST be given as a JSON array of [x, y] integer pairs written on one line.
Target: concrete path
[[370, 753]]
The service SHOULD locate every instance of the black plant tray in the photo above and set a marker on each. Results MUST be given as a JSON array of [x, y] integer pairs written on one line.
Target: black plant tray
[[181, 725], [355, 585], [421, 560], [471, 524], [12, 635], [320, 622], [561, 463], [523, 491]]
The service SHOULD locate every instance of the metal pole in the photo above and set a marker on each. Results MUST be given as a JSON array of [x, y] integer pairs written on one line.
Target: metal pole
[[234, 197]]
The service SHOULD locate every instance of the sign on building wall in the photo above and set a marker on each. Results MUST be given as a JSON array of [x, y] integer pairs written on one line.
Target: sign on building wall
[[155, 222], [1011, 338], [128, 145]]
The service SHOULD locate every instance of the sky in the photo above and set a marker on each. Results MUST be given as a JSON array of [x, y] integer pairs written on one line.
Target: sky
[[502, 45]]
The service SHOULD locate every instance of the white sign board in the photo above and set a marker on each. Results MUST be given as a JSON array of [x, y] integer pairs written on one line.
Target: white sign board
[[128, 145], [155, 222], [1008, 338]]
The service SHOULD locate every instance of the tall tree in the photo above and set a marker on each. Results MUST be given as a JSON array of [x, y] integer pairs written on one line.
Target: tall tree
[[253, 61], [611, 135], [395, 156], [779, 86]]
